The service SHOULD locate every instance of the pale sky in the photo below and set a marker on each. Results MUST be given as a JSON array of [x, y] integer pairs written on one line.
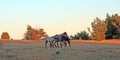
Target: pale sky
[[55, 16]]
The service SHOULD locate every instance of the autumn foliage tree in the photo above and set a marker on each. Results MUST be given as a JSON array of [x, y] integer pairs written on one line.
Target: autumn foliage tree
[[5, 35], [109, 29], [33, 34], [98, 29]]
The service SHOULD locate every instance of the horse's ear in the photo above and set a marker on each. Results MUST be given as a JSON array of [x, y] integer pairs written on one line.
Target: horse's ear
[[45, 34], [65, 33]]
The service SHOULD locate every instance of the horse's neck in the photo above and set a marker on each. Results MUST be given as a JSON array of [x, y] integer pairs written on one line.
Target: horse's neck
[[46, 36]]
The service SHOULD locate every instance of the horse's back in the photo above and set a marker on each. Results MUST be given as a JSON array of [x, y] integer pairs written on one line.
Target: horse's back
[[49, 39]]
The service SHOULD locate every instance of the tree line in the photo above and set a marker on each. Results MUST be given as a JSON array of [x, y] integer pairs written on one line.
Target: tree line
[[30, 34], [109, 28]]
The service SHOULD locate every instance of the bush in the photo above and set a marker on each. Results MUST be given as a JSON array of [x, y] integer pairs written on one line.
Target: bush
[[82, 35], [5, 35]]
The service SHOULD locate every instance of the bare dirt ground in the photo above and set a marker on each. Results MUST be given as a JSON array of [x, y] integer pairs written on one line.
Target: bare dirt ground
[[80, 50]]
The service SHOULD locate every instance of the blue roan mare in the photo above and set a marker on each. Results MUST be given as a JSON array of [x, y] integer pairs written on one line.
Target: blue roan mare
[[62, 38]]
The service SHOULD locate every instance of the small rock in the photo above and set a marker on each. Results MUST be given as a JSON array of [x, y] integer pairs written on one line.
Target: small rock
[[57, 52], [75, 55]]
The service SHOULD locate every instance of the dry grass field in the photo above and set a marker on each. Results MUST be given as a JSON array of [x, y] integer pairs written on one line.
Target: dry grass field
[[80, 50]]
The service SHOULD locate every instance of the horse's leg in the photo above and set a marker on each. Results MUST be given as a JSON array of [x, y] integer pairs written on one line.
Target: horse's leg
[[61, 44], [50, 44], [57, 44], [65, 43], [46, 44], [54, 43], [69, 43]]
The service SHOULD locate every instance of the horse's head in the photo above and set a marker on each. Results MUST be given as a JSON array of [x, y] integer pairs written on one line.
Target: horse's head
[[65, 34], [55, 36], [45, 35]]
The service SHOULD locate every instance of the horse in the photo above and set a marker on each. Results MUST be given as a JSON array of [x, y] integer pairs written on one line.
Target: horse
[[62, 38], [66, 40], [50, 40]]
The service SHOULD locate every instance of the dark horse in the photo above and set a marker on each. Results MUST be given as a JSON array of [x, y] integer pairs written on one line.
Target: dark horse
[[66, 38], [62, 38]]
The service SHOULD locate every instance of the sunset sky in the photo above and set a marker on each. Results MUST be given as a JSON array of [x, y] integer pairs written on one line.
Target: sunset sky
[[55, 16]]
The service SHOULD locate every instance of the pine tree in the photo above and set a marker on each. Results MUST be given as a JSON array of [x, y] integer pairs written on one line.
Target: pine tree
[[113, 28]]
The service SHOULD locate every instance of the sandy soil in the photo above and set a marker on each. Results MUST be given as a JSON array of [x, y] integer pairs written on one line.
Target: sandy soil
[[80, 50]]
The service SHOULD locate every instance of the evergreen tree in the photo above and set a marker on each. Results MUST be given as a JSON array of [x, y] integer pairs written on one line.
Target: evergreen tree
[[113, 28]]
